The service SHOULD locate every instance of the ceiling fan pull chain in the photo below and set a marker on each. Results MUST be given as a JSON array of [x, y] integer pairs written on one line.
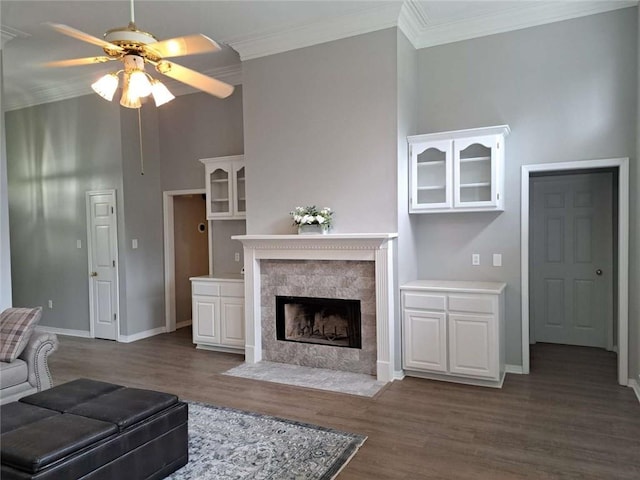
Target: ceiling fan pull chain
[[140, 137]]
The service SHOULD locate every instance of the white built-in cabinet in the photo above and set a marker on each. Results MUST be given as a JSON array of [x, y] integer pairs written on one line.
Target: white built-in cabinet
[[225, 187], [454, 331], [218, 313], [457, 171]]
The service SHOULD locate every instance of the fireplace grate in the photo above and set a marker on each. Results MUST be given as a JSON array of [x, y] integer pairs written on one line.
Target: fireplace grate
[[324, 321]]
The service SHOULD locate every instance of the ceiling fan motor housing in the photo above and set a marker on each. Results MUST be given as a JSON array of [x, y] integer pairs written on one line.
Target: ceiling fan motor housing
[[131, 40]]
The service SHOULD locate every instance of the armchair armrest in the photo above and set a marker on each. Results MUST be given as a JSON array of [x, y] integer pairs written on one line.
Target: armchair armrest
[[41, 345]]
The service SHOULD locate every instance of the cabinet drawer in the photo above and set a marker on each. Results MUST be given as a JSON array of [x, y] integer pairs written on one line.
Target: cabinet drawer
[[425, 301], [232, 289], [473, 303], [205, 288]]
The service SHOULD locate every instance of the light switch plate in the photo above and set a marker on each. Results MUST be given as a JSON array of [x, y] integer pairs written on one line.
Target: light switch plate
[[134, 243], [78, 243], [497, 259]]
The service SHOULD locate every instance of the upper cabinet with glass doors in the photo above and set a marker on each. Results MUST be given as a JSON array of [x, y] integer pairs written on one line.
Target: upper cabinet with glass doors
[[457, 171], [225, 186]]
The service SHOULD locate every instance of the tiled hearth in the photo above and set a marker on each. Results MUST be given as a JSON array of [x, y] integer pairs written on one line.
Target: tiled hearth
[[352, 266]]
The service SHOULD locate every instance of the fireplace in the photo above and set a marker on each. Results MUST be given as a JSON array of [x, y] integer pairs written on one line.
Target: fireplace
[[350, 265], [323, 321]]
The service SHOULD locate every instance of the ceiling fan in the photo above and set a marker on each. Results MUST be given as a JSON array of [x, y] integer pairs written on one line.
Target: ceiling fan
[[135, 48]]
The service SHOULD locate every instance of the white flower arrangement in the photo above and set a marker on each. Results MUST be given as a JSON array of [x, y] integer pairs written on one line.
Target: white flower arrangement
[[312, 216]]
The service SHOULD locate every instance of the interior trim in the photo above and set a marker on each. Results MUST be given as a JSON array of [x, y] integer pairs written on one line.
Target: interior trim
[[622, 164]]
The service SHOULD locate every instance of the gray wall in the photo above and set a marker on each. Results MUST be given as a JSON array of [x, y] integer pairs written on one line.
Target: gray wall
[[5, 252], [320, 128], [568, 90], [406, 259], [142, 291], [55, 153], [634, 267], [197, 126], [224, 249]]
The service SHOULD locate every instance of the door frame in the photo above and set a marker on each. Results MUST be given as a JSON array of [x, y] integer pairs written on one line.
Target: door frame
[[622, 164], [114, 239], [170, 254]]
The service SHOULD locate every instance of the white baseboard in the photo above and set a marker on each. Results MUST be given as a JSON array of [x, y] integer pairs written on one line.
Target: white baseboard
[[398, 375], [65, 331], [635, 385], [180, 325], [140, 335], [513, 369]]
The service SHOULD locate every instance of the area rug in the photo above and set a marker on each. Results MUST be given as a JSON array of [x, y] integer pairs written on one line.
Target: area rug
[[232, 444]]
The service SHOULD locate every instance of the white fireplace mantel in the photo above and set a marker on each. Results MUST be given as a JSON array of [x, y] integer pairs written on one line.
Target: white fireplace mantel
[[376, 247]]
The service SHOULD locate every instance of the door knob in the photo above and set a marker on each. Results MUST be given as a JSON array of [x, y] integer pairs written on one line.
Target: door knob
[[598, 272], [93, 274]]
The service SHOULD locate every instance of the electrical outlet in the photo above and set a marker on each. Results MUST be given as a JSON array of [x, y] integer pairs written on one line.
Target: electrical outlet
[[78, 243], [237, 257], [50, 303], [497, 259], [134, 243], [475, 259]]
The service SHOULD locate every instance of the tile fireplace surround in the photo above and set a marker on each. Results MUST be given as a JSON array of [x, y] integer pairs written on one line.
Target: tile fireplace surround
[[374, 247]]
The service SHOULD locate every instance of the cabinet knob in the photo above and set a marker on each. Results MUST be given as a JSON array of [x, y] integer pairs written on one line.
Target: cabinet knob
[[598, 272], [93, 274]]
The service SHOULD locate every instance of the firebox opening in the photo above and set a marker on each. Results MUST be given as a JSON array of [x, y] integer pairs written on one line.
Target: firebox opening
[[324, 321]]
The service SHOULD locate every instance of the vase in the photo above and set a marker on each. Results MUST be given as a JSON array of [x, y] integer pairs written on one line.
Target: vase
[[314, 229]]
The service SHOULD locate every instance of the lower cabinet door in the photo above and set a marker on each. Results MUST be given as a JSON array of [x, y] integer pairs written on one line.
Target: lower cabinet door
[[473, 345], [206, 319], [425, 340], [232, 317]]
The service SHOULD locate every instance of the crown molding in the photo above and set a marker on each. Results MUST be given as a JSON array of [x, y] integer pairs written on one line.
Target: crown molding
[[515, 18], [81, 85], [413, 20], [283, 40]]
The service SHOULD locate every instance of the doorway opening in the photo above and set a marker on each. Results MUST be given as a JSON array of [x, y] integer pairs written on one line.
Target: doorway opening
[[616, 331], [187, 237]]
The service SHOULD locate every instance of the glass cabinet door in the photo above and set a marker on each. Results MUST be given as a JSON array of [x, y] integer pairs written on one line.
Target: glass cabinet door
[[474, 175], [239, 198], [431, 175], [219, 185]]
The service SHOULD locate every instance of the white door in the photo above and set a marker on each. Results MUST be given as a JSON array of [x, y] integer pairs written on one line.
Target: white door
[[103, 263], [232, 321], [425, 340], [572, 259], [206, 319], [473, 345]]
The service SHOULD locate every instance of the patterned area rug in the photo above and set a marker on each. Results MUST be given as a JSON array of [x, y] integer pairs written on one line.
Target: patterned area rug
[[231, 444]]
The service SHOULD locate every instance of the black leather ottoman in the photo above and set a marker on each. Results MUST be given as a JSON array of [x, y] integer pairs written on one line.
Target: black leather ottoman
[[87, 429]]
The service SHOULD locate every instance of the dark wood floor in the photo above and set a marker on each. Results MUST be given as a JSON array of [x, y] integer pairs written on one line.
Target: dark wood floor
[[568, 419]]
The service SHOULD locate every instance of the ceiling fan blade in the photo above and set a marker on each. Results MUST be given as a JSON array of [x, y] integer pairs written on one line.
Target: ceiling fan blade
[[180, 46], [85, 37], [195, 79], [75, 62]]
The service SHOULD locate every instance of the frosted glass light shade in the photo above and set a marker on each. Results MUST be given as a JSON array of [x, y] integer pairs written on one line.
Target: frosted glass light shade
[[129, 99], [106, 86], [161, 93], [139, 84]]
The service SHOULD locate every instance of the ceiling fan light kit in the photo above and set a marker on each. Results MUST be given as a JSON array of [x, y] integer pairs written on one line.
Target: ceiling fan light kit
[[106, 86], [136, 48]]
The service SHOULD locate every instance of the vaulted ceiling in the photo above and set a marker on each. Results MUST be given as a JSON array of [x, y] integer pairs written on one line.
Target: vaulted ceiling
[[248, 29]]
